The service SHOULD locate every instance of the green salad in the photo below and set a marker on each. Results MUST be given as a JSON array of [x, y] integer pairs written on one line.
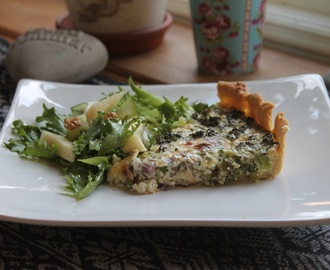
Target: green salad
[[84, 141]]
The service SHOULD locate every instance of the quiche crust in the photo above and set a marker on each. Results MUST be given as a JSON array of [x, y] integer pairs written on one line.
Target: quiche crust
[[235, 95]]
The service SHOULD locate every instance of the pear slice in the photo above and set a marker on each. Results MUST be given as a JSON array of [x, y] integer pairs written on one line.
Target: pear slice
[[105, 105], [127, 109], [134, 143], [64, 146]]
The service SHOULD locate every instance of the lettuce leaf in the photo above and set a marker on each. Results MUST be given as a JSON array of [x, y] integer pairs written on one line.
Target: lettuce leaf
[[83, 180], [27, 144], [105, 136], [143, 96], [52, 120]]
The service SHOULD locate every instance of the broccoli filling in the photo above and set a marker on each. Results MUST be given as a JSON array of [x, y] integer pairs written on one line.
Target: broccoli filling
[[216, 147]]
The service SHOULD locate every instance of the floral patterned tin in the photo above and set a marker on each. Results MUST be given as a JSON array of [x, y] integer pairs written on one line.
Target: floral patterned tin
[[228, 35]]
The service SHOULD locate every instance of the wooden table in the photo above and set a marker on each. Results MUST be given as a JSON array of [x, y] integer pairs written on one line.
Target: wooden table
[[172, 62]]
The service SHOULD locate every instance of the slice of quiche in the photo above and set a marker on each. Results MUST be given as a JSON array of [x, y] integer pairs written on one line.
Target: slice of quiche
[[233, 141]]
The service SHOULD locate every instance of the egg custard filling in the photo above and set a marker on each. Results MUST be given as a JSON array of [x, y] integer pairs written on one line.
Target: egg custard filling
[[216, 147]]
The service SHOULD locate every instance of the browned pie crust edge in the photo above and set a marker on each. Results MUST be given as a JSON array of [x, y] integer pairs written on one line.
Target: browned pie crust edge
[[235, 95]]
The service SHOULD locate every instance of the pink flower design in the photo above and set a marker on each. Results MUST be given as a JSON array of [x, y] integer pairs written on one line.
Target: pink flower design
[[224, 21], [233, 34], [211, 30], [256, 59], [223, 68], [215, 24], [205, 9], [261, 18], [208, 64], [262, 6], [218, 62], [221, 53]]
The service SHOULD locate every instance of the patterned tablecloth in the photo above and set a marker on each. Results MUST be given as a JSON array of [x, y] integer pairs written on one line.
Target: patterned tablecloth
[[45, 247]]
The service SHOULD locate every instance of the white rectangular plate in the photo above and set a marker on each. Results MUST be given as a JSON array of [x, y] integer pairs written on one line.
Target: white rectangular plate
[[31, 192]]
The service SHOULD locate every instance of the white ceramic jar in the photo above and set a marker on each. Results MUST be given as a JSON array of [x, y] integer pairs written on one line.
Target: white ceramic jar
[[115, 16]]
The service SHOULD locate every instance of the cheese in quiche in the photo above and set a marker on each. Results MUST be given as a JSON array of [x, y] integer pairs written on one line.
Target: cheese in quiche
[[232, 141]]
